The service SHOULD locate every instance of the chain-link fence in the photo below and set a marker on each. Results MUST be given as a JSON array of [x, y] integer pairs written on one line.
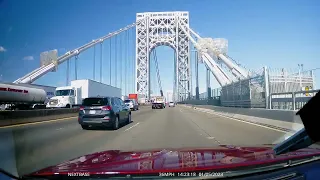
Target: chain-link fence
[[264, 85], [290, 100], [245, 93], [290, 89]]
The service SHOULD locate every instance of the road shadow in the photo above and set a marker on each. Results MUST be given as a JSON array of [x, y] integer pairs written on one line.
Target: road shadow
[[104, 128]]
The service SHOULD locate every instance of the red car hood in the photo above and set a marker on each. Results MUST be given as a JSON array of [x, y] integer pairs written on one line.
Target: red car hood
[[174, 160]]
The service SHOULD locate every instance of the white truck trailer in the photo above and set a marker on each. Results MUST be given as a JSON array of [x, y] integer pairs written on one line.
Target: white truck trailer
[[72, 96], [25, 96], [159, 102]]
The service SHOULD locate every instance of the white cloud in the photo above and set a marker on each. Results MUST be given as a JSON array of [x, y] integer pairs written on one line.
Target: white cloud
[[2, 49], [28, 58]]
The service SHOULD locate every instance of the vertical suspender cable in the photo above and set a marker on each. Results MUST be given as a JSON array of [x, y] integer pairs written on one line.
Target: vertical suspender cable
[[125, 62], [75, 67], [110, 61], [68, 66], [94, 62], [101, 62], [134, 63], [120, 62], [116, 67]]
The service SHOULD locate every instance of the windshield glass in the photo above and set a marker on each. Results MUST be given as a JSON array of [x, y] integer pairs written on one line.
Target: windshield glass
[[94, 102], [158, 85], [63, 92]]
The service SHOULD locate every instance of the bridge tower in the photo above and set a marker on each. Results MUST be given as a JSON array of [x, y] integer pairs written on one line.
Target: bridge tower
[[157, 29]]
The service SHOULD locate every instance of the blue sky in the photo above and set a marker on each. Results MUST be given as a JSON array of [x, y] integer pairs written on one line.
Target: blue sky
[[260, 33]]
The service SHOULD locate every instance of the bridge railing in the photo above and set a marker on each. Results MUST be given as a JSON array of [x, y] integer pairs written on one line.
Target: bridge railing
[[290, 100]]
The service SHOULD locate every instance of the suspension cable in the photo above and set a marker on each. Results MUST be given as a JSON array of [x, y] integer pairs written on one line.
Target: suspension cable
[[120, 62], [68, 67], [157, 69], [94, 62], [125, 64], [75, 67], [116, 81], [101, 47], [134, 68], [110, 59]]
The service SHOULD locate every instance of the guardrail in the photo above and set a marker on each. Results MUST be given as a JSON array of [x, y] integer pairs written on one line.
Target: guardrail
[[27, 116], [290, 100], [285, 120]]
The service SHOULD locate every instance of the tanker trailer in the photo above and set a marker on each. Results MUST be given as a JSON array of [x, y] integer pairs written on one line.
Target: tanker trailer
[[19, 97]]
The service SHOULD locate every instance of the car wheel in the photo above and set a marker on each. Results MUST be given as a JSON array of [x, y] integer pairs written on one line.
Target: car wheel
[[85, 127], [116, 123], [129, 119]]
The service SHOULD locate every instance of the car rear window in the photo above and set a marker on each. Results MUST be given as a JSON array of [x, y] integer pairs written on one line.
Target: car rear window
[[94, 102], [127, 101]]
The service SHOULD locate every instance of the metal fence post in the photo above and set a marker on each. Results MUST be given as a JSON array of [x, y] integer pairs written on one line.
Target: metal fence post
[[270, 101], [293, 101], [266, 86]]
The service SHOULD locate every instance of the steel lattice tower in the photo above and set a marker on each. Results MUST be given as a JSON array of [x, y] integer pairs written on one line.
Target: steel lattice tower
[[157, 29]]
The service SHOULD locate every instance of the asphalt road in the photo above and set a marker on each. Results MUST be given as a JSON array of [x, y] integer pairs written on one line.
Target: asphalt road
[[32, 147]]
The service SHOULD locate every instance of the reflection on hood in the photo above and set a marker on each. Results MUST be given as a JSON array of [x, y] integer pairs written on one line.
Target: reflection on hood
[[224, 157]]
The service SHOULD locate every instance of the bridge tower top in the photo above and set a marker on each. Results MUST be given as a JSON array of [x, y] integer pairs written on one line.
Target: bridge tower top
[[169, 14]]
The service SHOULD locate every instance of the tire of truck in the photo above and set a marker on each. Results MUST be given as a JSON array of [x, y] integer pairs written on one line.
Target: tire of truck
[[68, 106]]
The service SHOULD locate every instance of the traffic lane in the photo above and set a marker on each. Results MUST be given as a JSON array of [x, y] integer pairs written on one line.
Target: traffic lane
[[228, 131], [164, 128], [41, 145], [43, 134]]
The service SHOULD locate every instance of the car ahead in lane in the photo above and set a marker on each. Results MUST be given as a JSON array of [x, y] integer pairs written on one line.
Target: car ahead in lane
[[132, 104], [103, 111], [171, 104]]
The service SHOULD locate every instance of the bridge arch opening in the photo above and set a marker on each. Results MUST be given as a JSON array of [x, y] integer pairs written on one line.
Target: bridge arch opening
[[162, 29], [162, 72]]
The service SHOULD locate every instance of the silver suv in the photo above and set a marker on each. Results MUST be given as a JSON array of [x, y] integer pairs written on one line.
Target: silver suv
[[132, 104]]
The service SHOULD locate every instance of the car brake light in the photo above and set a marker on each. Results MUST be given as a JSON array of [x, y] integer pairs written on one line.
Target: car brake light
[[81, 108], [106, 108]]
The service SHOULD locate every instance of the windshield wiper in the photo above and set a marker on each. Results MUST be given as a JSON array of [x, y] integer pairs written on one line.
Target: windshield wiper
[[297, 141]]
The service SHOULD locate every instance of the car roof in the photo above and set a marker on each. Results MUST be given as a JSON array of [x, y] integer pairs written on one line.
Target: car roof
[[101, 97]]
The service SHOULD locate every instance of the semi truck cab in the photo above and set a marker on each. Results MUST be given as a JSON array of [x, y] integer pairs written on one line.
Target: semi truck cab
[[65, 97]]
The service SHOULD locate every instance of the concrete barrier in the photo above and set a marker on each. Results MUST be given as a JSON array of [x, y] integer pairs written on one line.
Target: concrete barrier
[[28, 116], [279, 119]]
